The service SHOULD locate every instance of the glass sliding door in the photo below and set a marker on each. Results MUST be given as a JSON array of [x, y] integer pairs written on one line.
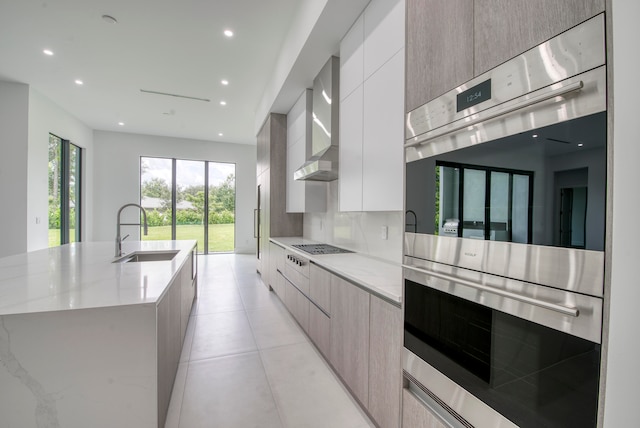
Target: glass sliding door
[[222, 207], [156, 184], [187, 199], [73, 196], [65, 160], [190, 201]]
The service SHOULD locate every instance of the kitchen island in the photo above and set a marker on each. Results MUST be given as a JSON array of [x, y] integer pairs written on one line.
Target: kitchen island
[[88, 342]]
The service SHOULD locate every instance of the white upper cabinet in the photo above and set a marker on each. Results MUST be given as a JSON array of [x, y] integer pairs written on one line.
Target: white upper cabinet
[[382, 155], [350, 176], [383, 33], [302, 196], [372, 110], [352, 59]]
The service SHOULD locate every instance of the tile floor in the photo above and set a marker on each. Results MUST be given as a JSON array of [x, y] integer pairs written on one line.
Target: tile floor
[[246, 362]]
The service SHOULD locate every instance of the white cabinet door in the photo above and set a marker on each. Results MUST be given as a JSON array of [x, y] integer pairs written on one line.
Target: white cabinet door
[[383, 138], [350, 182], [383, 33], [351, 59]]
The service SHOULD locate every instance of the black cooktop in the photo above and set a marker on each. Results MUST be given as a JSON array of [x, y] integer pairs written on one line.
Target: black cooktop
[[317, 249]]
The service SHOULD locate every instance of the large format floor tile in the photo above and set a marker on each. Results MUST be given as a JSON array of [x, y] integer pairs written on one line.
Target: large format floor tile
[[307, 392], [247, 363], [228, 392]]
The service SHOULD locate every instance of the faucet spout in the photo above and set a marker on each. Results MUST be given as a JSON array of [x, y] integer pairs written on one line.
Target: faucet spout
[[119, 223]]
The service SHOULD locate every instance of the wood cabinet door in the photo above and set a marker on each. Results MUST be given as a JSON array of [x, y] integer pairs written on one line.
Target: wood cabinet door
[[349, 351], [385, 373], [320, 329], [439, 48], [320, 287], [506, 28]]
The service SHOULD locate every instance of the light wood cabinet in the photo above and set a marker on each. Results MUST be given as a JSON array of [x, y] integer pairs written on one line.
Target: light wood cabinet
[[506, 28], [276, 262], [349, 353], [320, 308], [439, 48], [274, 220], [385, 374], [298, 304], [173, 313], [416, 415], [449, 43]]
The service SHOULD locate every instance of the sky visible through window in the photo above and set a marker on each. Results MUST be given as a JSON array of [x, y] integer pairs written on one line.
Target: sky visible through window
[[190, 172]]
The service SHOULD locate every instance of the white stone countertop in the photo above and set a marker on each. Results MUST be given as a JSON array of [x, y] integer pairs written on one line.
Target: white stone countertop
[[82, 276], [381, 277]]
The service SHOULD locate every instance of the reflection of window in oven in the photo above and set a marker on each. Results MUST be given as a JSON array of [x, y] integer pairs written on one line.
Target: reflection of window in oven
[[481, 202]]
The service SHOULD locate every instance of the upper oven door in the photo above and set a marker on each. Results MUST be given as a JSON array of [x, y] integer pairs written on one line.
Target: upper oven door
[[506, 174]]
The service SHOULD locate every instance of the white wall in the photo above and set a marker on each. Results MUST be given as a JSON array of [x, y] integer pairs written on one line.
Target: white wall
[[45, 117], [117, 177], [14, 104], [623, 354]]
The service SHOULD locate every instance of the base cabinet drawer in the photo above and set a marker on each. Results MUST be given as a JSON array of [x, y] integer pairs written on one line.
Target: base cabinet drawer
[[416, 415], [298, 304], [320, 329]]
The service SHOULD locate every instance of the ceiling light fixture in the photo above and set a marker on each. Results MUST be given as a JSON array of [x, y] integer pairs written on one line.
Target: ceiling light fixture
[[121, 123], [228, 33], [223, 103], [535, 135], [580, 144], [79, 82], [109, 19], [220, 134], [225, 82], [48, 52]]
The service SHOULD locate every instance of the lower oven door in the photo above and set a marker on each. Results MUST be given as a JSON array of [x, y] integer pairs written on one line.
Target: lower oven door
[[500, 352]]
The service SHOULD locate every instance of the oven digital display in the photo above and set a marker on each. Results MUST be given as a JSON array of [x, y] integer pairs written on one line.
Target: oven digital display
[[472, 96]]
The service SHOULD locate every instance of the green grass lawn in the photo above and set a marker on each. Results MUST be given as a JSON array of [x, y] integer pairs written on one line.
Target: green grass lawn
[[221, 236]]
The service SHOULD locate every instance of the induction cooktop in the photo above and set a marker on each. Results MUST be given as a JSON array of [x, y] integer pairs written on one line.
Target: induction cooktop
[[318, 249]]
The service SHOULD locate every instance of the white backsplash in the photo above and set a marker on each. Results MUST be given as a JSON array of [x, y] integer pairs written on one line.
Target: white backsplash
[[357, 231]]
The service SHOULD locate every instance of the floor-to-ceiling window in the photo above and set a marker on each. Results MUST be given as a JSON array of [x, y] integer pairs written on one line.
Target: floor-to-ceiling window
[[187, 199], [64, 191]]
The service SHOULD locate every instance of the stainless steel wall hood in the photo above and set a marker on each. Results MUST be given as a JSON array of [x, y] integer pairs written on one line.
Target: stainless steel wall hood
[[322, 165]]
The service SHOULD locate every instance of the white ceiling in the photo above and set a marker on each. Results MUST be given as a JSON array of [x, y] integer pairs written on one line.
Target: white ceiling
[[170, 46]]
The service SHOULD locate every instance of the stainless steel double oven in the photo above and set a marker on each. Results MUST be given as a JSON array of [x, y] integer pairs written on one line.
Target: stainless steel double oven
[[504, 241]]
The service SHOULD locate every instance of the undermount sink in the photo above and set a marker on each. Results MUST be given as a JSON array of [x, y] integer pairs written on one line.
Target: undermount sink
[[148, 256]]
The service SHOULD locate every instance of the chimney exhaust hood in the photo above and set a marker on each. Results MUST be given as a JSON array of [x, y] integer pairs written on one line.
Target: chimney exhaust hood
[[322, 165]]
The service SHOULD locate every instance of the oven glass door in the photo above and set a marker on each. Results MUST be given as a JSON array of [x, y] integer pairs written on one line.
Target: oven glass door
[[542, 187], [533, 375]]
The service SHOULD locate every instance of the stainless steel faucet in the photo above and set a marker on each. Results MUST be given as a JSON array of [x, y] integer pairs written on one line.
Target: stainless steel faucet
[[118, 238]]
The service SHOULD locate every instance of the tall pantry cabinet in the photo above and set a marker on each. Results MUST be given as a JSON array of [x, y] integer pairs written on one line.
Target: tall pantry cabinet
[[270, 216]]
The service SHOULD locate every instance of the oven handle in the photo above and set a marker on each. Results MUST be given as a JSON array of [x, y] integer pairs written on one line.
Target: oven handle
[[565, 310], [573, 87]]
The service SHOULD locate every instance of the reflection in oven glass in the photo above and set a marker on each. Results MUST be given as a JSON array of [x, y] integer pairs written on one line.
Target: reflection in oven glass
[[533, 375], [543, 187]]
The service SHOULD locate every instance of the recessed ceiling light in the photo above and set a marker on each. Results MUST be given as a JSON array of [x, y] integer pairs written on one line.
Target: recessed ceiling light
[[223, 103], [535, 135], [79, 82], [220, 134], [580, 144], [228, 33], [224, 82], [121, 123], [109, 19], [48, 52]]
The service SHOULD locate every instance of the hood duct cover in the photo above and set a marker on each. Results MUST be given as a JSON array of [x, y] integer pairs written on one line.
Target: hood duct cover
[[322, 165]]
